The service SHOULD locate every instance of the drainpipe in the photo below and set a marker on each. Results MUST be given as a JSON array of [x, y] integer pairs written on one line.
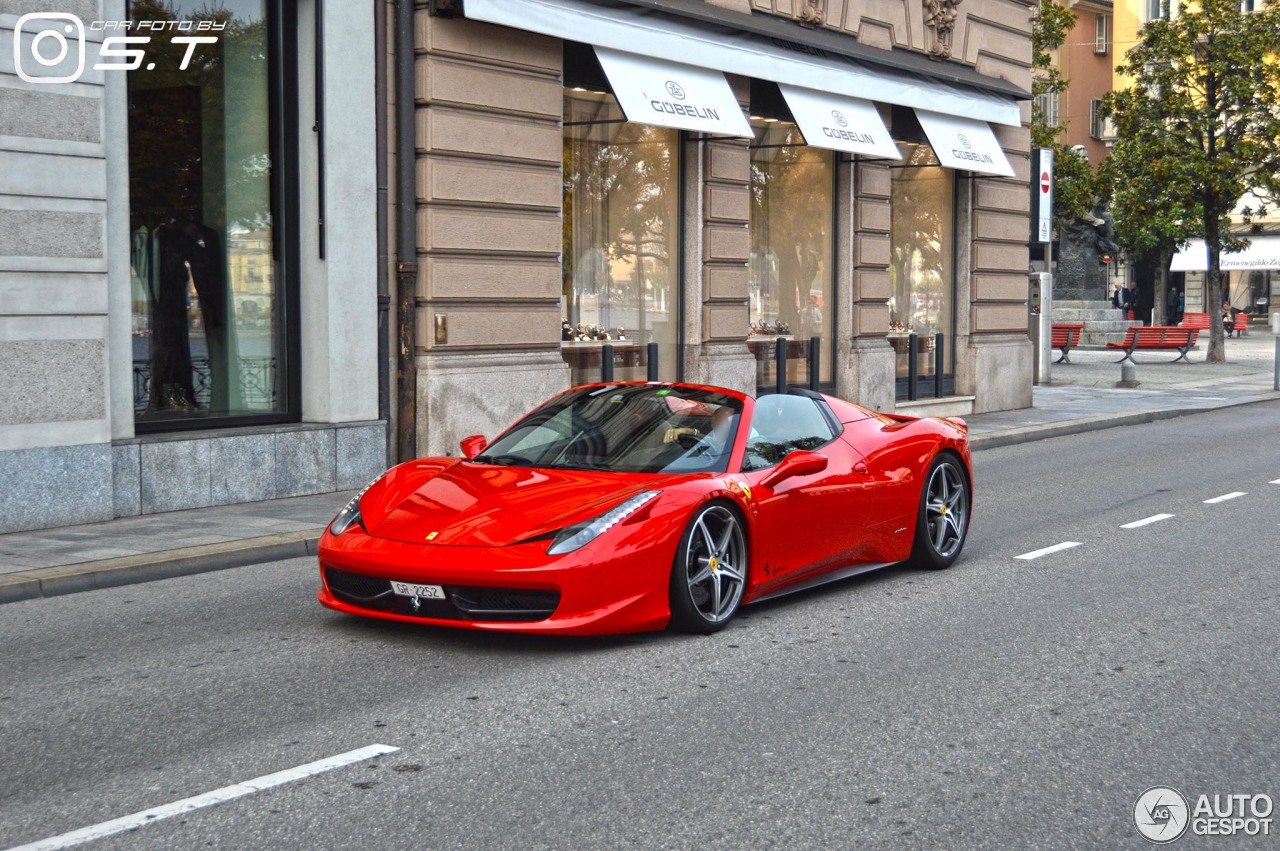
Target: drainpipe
[[406, 235], [384, 283]]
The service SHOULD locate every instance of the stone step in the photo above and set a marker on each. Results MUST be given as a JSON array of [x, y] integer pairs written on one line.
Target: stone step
[[1082, 315], [1074, 304]]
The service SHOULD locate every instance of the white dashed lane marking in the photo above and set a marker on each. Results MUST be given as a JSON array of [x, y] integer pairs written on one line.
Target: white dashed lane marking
[[1056, 548], [1224, 497], [1155, 518], [1275, 481], [208, 799]]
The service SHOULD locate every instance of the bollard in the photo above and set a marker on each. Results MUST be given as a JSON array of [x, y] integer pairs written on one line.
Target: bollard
[[938, 359], [1275, 322], [815, 361], [1276, 386], [913, 367], [780, 363], [1128, 374], [606, 363], [653, 361]]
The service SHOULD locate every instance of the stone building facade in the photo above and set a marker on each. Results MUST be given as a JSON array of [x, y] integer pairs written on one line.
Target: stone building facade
[[500, 230], [200, 257]]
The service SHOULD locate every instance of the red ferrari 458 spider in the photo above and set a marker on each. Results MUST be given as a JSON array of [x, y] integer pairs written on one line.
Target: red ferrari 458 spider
[[633, 506]]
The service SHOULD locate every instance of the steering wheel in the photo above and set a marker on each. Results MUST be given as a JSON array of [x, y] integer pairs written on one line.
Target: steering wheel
[[689, 439]]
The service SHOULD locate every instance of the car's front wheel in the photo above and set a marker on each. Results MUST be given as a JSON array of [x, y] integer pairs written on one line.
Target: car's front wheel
[[943, 519], [710, 571]]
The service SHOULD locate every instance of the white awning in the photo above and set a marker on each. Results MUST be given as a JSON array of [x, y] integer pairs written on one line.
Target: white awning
[[1263, 253], [964, 143], [651, 91], [840, 123], [641, 31]]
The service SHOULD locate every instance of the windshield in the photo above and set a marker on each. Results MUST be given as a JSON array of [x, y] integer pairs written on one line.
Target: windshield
[[624, 429]]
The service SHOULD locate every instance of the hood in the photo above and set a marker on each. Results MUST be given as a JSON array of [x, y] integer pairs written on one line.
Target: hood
[[477, 505]]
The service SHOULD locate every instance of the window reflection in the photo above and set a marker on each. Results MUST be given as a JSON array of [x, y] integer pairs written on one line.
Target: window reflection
[[922, 242], [621, 214], [207, 323], [789, 269]]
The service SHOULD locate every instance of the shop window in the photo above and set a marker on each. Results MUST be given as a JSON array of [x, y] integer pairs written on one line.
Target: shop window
[[790, 267], [207, 284], [922, 263], [621, 240]]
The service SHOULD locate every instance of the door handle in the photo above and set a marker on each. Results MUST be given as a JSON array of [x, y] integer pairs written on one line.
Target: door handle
[[860, 467]]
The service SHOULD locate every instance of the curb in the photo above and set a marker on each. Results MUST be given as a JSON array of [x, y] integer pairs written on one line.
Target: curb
[[146, 567], [1031, 434]]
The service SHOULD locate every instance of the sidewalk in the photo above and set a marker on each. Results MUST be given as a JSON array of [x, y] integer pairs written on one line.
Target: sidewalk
[[1082, 397]]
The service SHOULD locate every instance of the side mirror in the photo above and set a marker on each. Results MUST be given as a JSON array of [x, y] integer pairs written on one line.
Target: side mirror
[[797, 463], [473, 445]]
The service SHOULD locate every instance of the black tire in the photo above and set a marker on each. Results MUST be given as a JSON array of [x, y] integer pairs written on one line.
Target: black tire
[[942, 521], [710, 571]]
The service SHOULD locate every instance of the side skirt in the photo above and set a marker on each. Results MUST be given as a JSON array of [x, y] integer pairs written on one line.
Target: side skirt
[[833, 576]]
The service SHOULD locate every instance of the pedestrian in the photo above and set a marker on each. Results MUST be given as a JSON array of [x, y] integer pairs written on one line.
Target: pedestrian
[[1117, 296], [1228, 321], [1174, 304]]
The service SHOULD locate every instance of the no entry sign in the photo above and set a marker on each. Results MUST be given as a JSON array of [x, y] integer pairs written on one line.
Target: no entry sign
[[1042, 195]]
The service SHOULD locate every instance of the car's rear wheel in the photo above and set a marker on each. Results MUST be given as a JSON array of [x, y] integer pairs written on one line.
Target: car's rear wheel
[[710, 571], [943, 521]]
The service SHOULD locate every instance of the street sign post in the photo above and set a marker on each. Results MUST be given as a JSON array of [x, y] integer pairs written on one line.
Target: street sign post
[[1042, 196], [1040, 291]]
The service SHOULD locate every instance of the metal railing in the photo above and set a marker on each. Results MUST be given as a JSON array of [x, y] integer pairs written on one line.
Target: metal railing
[[256, 376]]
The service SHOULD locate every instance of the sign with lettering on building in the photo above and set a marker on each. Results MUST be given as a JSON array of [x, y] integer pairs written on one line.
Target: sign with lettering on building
[[840, 123], [651, 91], [964, 143]]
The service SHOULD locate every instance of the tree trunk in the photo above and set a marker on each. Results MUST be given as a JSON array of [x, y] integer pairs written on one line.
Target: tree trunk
[[1217, 352]]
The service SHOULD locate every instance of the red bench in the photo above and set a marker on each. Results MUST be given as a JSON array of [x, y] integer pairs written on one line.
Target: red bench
[[1241, 326], [1157, 337], [1066, 336], [1198, 321]]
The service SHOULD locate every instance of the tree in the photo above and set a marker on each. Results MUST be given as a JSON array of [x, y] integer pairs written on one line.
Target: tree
[[1199, 128], [1076, 187]]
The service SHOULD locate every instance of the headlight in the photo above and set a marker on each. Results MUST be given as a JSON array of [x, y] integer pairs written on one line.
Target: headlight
[[580, 534], [350, 512]]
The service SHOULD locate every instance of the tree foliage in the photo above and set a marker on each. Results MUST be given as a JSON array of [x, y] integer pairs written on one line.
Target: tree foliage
[[1076, 186], [1199, 128]]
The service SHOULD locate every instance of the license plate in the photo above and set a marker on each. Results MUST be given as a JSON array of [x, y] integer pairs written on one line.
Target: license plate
[[411, 589]]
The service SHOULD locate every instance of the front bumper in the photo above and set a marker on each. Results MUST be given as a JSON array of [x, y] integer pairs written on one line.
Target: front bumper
[[517, 588]]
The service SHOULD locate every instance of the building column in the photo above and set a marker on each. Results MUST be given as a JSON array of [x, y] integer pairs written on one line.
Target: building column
[[717, 319], [996, 365], [870, 375], [489, 229]]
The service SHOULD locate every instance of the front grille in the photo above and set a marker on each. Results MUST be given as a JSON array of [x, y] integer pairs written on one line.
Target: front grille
[[355, 586], [462, 603], [505, 603]]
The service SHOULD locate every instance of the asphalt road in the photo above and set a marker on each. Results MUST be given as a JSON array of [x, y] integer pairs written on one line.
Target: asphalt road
[[1005, 703]]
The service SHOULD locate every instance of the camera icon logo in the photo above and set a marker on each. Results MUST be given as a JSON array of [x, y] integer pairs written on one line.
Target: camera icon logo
[[49, 45]]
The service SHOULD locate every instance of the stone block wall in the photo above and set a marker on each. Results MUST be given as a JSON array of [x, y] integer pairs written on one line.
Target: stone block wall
[[55, 426], [489, 105]]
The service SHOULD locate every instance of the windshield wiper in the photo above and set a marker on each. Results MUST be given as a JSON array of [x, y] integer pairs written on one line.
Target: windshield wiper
[[502, 460]]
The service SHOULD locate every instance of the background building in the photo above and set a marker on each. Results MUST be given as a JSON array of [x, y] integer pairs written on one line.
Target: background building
[[561, 179], [251, 267]]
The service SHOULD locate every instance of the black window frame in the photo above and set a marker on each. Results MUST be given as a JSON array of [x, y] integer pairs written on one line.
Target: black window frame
[[282, 25]]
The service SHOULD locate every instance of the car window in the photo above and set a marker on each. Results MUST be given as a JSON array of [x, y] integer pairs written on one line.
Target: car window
[[782, 424], [648, 428]]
